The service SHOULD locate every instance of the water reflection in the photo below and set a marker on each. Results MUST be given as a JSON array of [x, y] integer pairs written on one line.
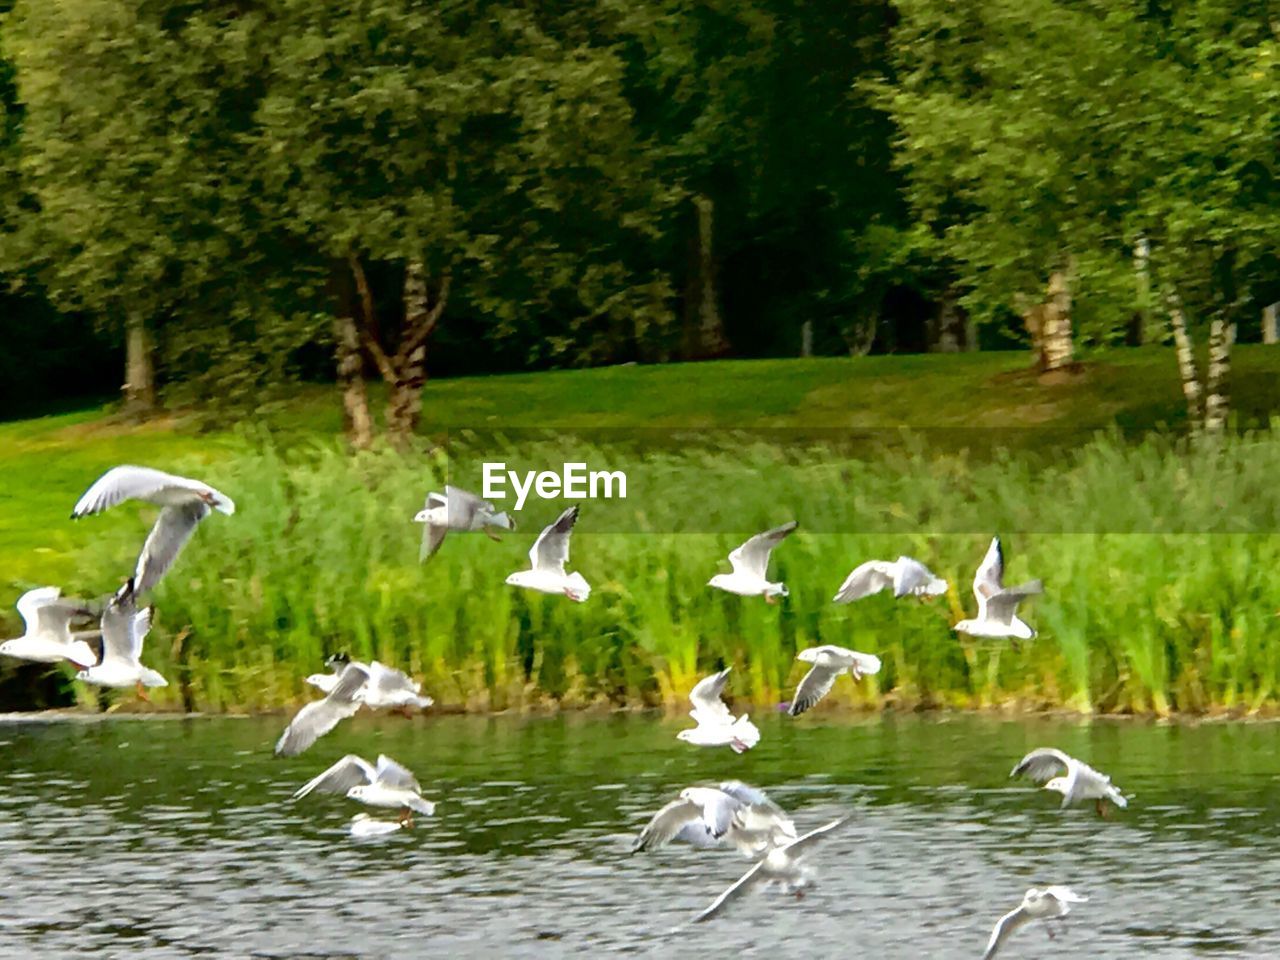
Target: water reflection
[[177, 839]]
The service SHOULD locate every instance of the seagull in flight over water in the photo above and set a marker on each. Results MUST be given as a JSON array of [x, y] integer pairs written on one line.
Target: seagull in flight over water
[[998, 605], [1051, 903], [905, 577], [828, 663], [707, 816], [716, 725], [750, 561], [456, 509], [1072, 778], [547, 559]]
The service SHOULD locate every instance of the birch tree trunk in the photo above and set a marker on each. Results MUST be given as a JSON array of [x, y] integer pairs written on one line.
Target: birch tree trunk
[[140, 379], [947, 330], [1186, 364], [357, 423], [1141, 322], [1222, 335], [1057, 342], [1270, 334], [704, 327]]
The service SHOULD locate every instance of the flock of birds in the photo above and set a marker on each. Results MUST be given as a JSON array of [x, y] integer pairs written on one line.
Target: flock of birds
[[731, 812]]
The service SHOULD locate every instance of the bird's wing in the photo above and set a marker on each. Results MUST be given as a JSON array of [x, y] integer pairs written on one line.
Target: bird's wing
[[798, 847], [1042, 764], [389, 680], [753, 556], [706, 697], [669, 823], [29, 604], [432, 536], [551, 550], [1065, 895], [990, 576], [1003, 604], [129, 483], [123, 628], [350, 771], [463, 506], [746, 794], [745, 883], [815, 685], [395, 775], [866, 579], [316, 719], [1004, 929], [911, 575], [173, 528], [696, 833], [311, 723]]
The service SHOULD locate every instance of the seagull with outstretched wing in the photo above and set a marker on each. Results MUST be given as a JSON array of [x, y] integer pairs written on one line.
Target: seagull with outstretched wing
[[1051, 903], [905, 576], [717, 727], [48, 637], [828, 663], [183, 504], [458, 510], [386, 785], [750, 562], [1072, 778], [547, 559], [319, 717], [998, 604]]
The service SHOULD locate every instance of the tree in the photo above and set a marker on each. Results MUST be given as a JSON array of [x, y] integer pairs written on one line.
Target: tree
[[1045, 139], [454, 146]]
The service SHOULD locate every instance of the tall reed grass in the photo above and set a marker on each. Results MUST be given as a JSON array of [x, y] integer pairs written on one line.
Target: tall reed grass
[[1161, 566]]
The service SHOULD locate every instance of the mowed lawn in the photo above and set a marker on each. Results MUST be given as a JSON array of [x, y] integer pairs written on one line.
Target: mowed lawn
[[47, 462]]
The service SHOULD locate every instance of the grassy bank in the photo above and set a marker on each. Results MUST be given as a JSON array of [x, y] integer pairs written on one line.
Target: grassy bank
[[1160, 563]]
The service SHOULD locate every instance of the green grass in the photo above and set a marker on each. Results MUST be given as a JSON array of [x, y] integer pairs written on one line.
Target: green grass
[[1161, 564]]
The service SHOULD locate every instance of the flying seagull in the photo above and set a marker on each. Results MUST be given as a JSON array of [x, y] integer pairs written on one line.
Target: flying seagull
[[48, 637], [905, 576], [183, 502], [456, 509], [1070, 777], [709, 816], [716, 725], [386, 785], [547, 559], [1051, 903], [751, 566], [998, 605], [828, 663], [386, 687], [124, 627], [319, 717], [781, 865]]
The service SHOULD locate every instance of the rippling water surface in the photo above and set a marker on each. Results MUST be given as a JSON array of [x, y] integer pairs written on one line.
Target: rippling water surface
[[176, 838]]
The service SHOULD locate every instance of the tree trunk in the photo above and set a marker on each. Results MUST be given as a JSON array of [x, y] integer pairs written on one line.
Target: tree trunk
[[948, 331], [1222, 335], [140, 380], [357, 423], [1057, 343], [405, 370], [704, 328], [1186, 364], [1140, 323], [1269, 331]]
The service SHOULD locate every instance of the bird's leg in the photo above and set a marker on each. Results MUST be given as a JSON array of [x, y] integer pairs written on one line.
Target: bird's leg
[[406, 818], [1101, 806], [492, 536], [405, 712], [768, 598], [1048, 928], [142, 693]]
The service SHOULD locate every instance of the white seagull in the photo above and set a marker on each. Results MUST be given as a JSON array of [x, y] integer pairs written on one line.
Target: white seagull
[[905, 576], [386, 785], [48, 637], [124, 627], [183, 502], [547, 559], [1051, 903], [319, 717], [457, 509], [716, 725], [709, 816], [828, 663], [998, 605], [780, 865], [386, 687], [1072, 778], [750, 577]]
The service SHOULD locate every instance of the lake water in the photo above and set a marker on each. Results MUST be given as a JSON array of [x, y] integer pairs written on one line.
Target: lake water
[[176, 838]]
